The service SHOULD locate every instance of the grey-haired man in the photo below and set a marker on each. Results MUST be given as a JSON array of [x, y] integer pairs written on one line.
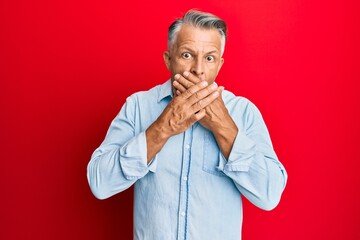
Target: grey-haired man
[[190, 148]]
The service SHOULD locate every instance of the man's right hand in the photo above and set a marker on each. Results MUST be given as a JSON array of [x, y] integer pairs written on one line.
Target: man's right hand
[[180, 114]]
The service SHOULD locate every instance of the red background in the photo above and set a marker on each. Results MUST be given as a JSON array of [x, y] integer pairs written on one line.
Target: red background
[[66, 68]]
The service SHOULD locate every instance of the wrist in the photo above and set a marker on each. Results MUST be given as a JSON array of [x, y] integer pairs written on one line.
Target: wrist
[[227, 130], [157, 134]]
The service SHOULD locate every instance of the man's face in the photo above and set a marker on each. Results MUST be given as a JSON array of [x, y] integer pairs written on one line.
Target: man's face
[[197, 51]]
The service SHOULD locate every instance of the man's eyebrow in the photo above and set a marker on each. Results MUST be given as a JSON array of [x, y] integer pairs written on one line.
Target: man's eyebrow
[[214, 51], [186, 48], [191, 50]]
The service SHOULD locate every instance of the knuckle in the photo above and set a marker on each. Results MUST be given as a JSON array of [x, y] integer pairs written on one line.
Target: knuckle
[[176, 101], [187, 93], [197, 95], [189, 84], [186, 83], [207, 91], [191, 91], [181, 81]]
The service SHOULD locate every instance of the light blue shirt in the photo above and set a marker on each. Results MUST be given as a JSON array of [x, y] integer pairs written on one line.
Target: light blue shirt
[[189, 190]]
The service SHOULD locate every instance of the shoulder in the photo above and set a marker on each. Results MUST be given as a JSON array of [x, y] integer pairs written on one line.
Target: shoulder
[[241, 109], [151, 93], [149, 96], [237, 102]]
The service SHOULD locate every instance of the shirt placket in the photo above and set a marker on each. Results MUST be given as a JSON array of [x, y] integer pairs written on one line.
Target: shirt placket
[[184, 185]]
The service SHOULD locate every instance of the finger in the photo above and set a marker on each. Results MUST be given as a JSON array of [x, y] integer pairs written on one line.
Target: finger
[[220, 98], [203, 98], [191, 77], [197, 116], [202, 93], [203, 103], [193, 89], [221, 89], [184, 82], [178, 86]]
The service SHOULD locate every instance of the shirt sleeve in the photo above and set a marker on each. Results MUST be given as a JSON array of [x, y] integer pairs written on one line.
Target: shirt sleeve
[[253, 164], [122, 157]]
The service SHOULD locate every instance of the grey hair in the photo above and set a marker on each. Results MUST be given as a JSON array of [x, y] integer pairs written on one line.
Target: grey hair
[[201, 20]]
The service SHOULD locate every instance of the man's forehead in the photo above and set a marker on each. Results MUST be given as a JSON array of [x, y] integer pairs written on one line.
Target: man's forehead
[[194, 35]]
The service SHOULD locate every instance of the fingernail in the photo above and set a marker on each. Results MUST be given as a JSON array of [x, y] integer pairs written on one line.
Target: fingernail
[[175, 83], [177, 76], [203, 84], [186, 74], [213, 86]]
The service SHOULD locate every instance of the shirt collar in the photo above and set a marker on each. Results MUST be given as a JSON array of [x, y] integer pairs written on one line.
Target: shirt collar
[[165, 90]]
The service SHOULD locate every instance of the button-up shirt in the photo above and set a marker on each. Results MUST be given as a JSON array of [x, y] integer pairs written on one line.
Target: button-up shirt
[[189, 190]]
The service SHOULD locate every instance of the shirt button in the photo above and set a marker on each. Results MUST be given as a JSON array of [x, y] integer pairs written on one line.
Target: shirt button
[[187, 146], [183, 214], [185, 178]]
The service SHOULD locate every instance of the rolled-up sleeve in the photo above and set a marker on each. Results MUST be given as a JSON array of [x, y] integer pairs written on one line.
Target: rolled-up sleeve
[[133, 158], [253, 164], [122, 157]]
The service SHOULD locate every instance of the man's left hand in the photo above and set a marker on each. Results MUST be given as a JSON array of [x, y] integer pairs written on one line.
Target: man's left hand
[[217, 118]]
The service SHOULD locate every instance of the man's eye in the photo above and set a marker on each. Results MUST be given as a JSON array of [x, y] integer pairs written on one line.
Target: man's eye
[[186, 55], [210, 58]]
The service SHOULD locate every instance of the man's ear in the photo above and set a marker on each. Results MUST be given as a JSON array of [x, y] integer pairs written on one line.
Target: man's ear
[[167, 58], [220, 64]]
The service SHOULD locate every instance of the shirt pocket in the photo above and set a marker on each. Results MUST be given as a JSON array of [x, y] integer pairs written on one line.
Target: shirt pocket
[[211, 155]]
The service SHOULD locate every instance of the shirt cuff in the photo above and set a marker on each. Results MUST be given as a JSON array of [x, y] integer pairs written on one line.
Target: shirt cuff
[[241, 155], [133, 158]]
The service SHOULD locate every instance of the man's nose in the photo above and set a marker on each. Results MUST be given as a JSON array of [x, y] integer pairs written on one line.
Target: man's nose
[[198, 67]]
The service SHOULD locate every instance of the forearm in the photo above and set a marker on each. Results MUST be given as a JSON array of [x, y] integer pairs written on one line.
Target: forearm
[[225, 137], [155, 140]]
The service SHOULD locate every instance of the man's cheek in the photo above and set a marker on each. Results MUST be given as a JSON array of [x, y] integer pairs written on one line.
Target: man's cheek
[[210, 78], [182, 66]]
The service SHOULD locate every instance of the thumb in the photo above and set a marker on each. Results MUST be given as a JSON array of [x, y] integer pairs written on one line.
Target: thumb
[[221, 89]]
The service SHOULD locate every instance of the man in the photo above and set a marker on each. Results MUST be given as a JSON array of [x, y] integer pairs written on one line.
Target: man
[[190, 148]]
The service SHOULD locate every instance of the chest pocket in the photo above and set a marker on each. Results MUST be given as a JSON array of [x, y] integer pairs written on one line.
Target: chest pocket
[[211, 155]]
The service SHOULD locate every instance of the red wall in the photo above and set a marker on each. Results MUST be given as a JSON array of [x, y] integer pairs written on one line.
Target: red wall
[[66, 68]]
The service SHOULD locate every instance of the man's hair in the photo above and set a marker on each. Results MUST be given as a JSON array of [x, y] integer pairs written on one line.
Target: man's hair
[[201, 20]]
